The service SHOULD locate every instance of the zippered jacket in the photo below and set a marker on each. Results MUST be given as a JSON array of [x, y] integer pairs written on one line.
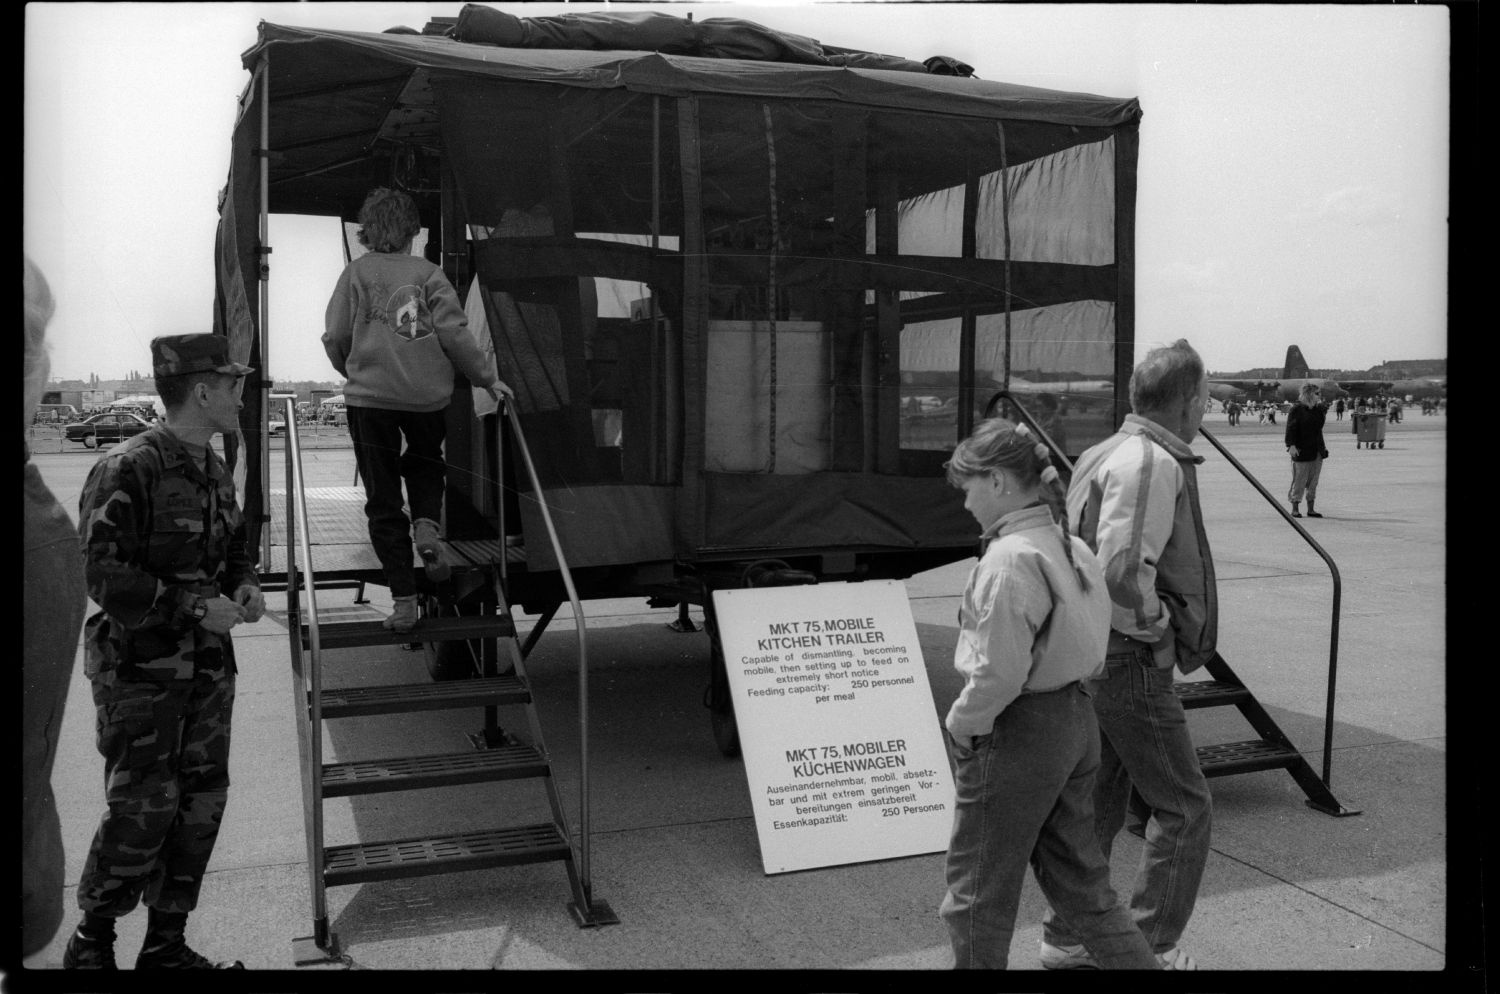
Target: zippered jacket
[[1134, 500]]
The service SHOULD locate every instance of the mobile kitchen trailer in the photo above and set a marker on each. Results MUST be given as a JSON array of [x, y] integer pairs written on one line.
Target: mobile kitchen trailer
[[750, 290]]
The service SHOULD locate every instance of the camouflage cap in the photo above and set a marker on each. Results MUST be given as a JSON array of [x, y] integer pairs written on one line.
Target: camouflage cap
[[178, 355]]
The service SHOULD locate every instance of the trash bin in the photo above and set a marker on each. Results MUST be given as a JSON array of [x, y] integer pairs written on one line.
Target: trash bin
[[1369, 430]]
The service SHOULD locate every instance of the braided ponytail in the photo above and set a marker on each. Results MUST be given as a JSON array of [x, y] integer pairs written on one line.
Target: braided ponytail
[[1056, 496]]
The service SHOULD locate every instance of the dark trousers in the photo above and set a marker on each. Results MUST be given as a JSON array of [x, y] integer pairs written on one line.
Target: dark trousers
[[377, 434]]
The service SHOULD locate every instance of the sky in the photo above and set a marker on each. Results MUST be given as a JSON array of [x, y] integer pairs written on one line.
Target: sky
[[1293, 171]]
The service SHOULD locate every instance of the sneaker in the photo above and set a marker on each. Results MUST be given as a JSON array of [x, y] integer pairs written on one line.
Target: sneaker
[[404, 618], [84, 953], [1176, 959], [430, 549], [1067, 957], [176, 954]]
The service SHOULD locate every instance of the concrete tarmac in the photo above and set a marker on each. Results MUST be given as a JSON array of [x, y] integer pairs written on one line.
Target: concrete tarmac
[[674, 850]]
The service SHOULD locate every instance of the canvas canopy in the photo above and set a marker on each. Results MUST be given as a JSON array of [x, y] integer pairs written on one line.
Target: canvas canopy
[[718, 285]]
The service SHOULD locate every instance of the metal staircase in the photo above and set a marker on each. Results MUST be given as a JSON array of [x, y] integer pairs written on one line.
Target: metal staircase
[[494, 755], [1272, 750]]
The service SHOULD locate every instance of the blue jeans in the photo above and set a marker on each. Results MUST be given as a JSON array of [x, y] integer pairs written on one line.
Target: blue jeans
[[1023, 796], [1148, 769]]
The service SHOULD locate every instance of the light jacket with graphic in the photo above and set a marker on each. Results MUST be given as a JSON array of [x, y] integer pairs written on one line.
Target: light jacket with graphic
[[396, 331], [1134, 500]]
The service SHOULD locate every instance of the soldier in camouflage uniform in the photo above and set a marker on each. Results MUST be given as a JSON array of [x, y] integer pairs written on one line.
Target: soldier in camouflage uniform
[[166, 560]]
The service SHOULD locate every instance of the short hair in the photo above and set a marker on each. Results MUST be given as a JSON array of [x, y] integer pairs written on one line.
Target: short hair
[[1309, 388], [1167, 377], [388, 220], [174, 390], [39, 309]]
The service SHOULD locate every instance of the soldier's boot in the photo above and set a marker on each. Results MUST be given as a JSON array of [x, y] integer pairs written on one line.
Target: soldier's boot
[[428, 547], [404, 618], [1296, 509], [1310, 512], [91, 946], [166, 948]]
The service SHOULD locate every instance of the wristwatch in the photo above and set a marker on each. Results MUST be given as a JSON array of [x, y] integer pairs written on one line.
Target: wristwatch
[[199, 610]]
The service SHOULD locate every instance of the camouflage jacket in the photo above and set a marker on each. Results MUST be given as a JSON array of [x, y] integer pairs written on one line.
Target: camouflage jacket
[[157, 533]]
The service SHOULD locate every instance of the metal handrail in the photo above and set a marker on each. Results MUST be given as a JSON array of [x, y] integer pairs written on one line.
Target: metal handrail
[[1333, 638], [1333, 644], [578, 620], [1059, 457], [310, 684]]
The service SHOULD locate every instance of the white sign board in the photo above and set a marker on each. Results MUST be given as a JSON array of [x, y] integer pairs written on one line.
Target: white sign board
[[843, 748]]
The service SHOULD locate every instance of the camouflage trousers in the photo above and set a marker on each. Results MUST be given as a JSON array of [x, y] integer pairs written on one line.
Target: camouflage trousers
[[166, 780]]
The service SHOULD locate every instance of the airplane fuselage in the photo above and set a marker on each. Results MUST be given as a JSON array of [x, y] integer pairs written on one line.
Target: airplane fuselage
[[1275, 390]]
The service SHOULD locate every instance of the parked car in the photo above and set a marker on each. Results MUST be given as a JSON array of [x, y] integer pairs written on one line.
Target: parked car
[[106, 429], [278, 427]]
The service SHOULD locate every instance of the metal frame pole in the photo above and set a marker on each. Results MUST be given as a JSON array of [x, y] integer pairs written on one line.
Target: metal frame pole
[[263, 275]]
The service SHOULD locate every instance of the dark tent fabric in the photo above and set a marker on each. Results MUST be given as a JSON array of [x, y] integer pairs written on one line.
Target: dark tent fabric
[[653, 31], [745, 303]]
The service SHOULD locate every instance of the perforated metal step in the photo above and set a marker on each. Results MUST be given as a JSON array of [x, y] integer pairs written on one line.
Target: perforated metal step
[[424, 856], [374, 776], [1209, 693], [352, 702], [351, 634], [1245, 757]]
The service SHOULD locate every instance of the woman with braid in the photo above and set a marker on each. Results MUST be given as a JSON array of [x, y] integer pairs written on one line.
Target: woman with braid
[[1033, 627]]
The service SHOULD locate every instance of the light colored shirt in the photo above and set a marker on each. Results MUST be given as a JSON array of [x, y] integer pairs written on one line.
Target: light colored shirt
[[1026, 623]]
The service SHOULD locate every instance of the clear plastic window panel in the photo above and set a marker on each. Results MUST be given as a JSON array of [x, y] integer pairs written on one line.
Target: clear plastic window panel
[[1061, 368]]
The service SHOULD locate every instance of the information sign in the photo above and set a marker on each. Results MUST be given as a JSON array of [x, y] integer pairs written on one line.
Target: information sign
[[843, 748]]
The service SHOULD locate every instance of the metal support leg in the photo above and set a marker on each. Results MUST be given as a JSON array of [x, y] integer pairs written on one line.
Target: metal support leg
[[684, 622], [537, 629]]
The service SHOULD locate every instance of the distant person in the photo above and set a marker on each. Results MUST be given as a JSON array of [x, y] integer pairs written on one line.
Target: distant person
[[1304, 443], [1233, 409], [166, 560], [1022, 733], [1338, 409], [396, 331], [53, 600], [1134, 500]]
